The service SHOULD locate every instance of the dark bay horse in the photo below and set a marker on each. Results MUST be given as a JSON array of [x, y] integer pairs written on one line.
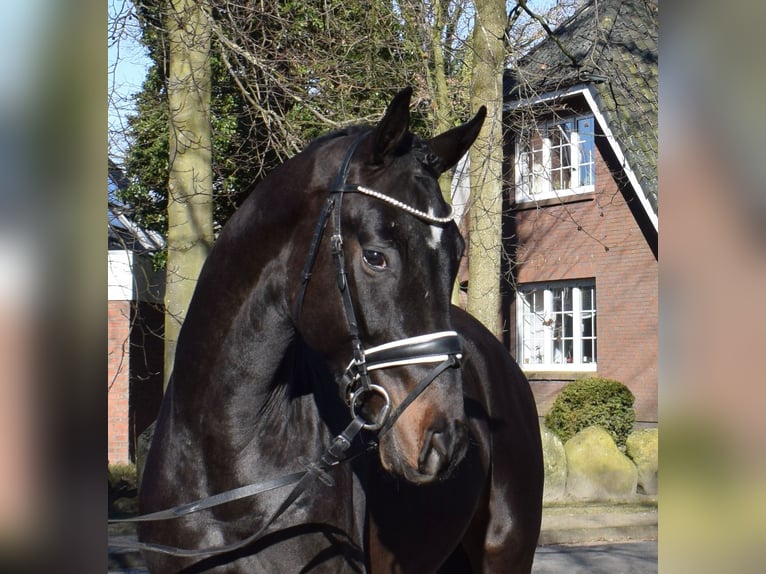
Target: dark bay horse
[[331, 286]]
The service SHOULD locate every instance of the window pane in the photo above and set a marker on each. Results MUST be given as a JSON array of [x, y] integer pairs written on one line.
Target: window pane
[[532, 335], [532, 178], [562, 322], [586, 148], [568, 350], [587, 298], [588, 351], [561, 155], [568, 330], [537, 169], [587, 325], [538, 303], [563, 298]]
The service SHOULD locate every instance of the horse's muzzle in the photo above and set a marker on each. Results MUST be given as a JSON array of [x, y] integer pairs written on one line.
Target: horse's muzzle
[[442, 451], [438, 453]]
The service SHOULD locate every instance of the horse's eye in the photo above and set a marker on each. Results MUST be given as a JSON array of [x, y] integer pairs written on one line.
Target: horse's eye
[[374, 259]]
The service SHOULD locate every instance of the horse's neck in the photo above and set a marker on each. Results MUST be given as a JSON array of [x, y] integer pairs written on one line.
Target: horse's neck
[[251, 354], [239, 326], [234, 337]]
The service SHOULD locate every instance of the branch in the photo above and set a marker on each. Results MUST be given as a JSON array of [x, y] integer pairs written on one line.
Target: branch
[[549, 32], [243, 53]]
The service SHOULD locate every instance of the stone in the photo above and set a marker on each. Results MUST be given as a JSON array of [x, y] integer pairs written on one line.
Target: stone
[[555, 464], [642, 447], [597, 469]]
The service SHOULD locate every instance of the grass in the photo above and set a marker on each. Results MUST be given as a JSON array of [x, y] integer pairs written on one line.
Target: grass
[[638, 504]]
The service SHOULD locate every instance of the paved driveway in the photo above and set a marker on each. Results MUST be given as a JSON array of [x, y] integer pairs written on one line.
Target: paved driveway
[[606, 558]]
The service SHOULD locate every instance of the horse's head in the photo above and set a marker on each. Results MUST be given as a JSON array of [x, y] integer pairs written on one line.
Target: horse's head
[[396, 256]]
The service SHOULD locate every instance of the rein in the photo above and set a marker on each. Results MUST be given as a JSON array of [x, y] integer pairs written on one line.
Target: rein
[[334, 455], [443, 348]]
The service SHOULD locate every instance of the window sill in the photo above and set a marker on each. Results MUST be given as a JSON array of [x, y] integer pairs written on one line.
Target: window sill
[[575, 197], [559, 375]]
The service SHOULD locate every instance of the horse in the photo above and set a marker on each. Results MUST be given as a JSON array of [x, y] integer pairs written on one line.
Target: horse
[[293, 331]]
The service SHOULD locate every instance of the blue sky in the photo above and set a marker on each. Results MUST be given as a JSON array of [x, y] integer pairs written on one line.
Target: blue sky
[[127, 64]]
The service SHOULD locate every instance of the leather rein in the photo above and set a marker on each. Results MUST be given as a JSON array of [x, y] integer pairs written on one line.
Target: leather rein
[[441, 348]]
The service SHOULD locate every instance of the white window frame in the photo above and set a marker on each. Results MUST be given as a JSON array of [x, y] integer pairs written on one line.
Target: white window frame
[[537, 330], [538, 185]]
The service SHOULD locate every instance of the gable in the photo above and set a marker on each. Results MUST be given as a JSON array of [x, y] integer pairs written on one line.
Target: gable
[[607, 52]]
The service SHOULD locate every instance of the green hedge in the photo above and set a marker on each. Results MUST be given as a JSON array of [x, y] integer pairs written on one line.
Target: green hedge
[[121, 473], [122, 489], [593, 401]]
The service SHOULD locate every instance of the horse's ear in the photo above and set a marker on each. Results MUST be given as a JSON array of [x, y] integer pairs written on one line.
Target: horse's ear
[[392, 128], [450, 146]]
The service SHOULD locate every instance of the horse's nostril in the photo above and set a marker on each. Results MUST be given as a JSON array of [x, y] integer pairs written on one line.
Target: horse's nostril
[[440, 441], [437, 452]]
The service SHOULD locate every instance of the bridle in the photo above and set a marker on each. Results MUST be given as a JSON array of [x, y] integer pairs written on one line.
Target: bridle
[[443, 349]]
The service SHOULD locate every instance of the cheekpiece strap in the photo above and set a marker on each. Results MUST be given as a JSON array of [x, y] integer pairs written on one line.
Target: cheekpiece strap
[[340, 187]]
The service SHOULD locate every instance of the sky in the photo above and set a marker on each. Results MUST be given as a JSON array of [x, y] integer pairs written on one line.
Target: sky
[[127, 64]]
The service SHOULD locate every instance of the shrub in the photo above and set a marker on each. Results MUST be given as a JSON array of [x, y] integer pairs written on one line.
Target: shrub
[[122, 473], [593, 401], [122, 488]]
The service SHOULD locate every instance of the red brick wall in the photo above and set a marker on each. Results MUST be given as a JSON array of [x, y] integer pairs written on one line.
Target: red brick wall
[[119, 383], [596, 236]]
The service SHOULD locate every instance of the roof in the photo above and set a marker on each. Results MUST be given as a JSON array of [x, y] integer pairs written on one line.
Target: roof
[[124, 233], [612, 47]]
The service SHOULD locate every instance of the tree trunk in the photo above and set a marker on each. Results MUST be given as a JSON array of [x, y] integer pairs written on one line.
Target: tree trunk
[[442, 109], [443, 117], [486, 166], [190, 193]]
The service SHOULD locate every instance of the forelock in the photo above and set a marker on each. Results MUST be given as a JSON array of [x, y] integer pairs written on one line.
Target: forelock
[[427, 158]]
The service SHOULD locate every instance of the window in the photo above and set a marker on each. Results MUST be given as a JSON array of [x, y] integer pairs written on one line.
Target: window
[[557, 326], [555, 158]]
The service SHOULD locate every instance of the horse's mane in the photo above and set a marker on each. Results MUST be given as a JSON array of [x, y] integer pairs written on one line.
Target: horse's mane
[[335, 134]]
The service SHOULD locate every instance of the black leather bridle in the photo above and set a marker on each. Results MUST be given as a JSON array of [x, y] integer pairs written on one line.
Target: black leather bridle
[[443, 349]]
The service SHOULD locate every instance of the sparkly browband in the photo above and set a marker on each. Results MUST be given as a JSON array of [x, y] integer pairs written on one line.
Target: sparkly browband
[[403, 206]]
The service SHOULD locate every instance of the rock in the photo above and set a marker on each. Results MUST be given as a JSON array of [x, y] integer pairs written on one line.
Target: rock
[[596, 469], [642, 447], [555, 463]]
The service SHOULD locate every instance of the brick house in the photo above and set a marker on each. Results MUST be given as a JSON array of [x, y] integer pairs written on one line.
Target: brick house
[[135, 326], [582, 220]]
